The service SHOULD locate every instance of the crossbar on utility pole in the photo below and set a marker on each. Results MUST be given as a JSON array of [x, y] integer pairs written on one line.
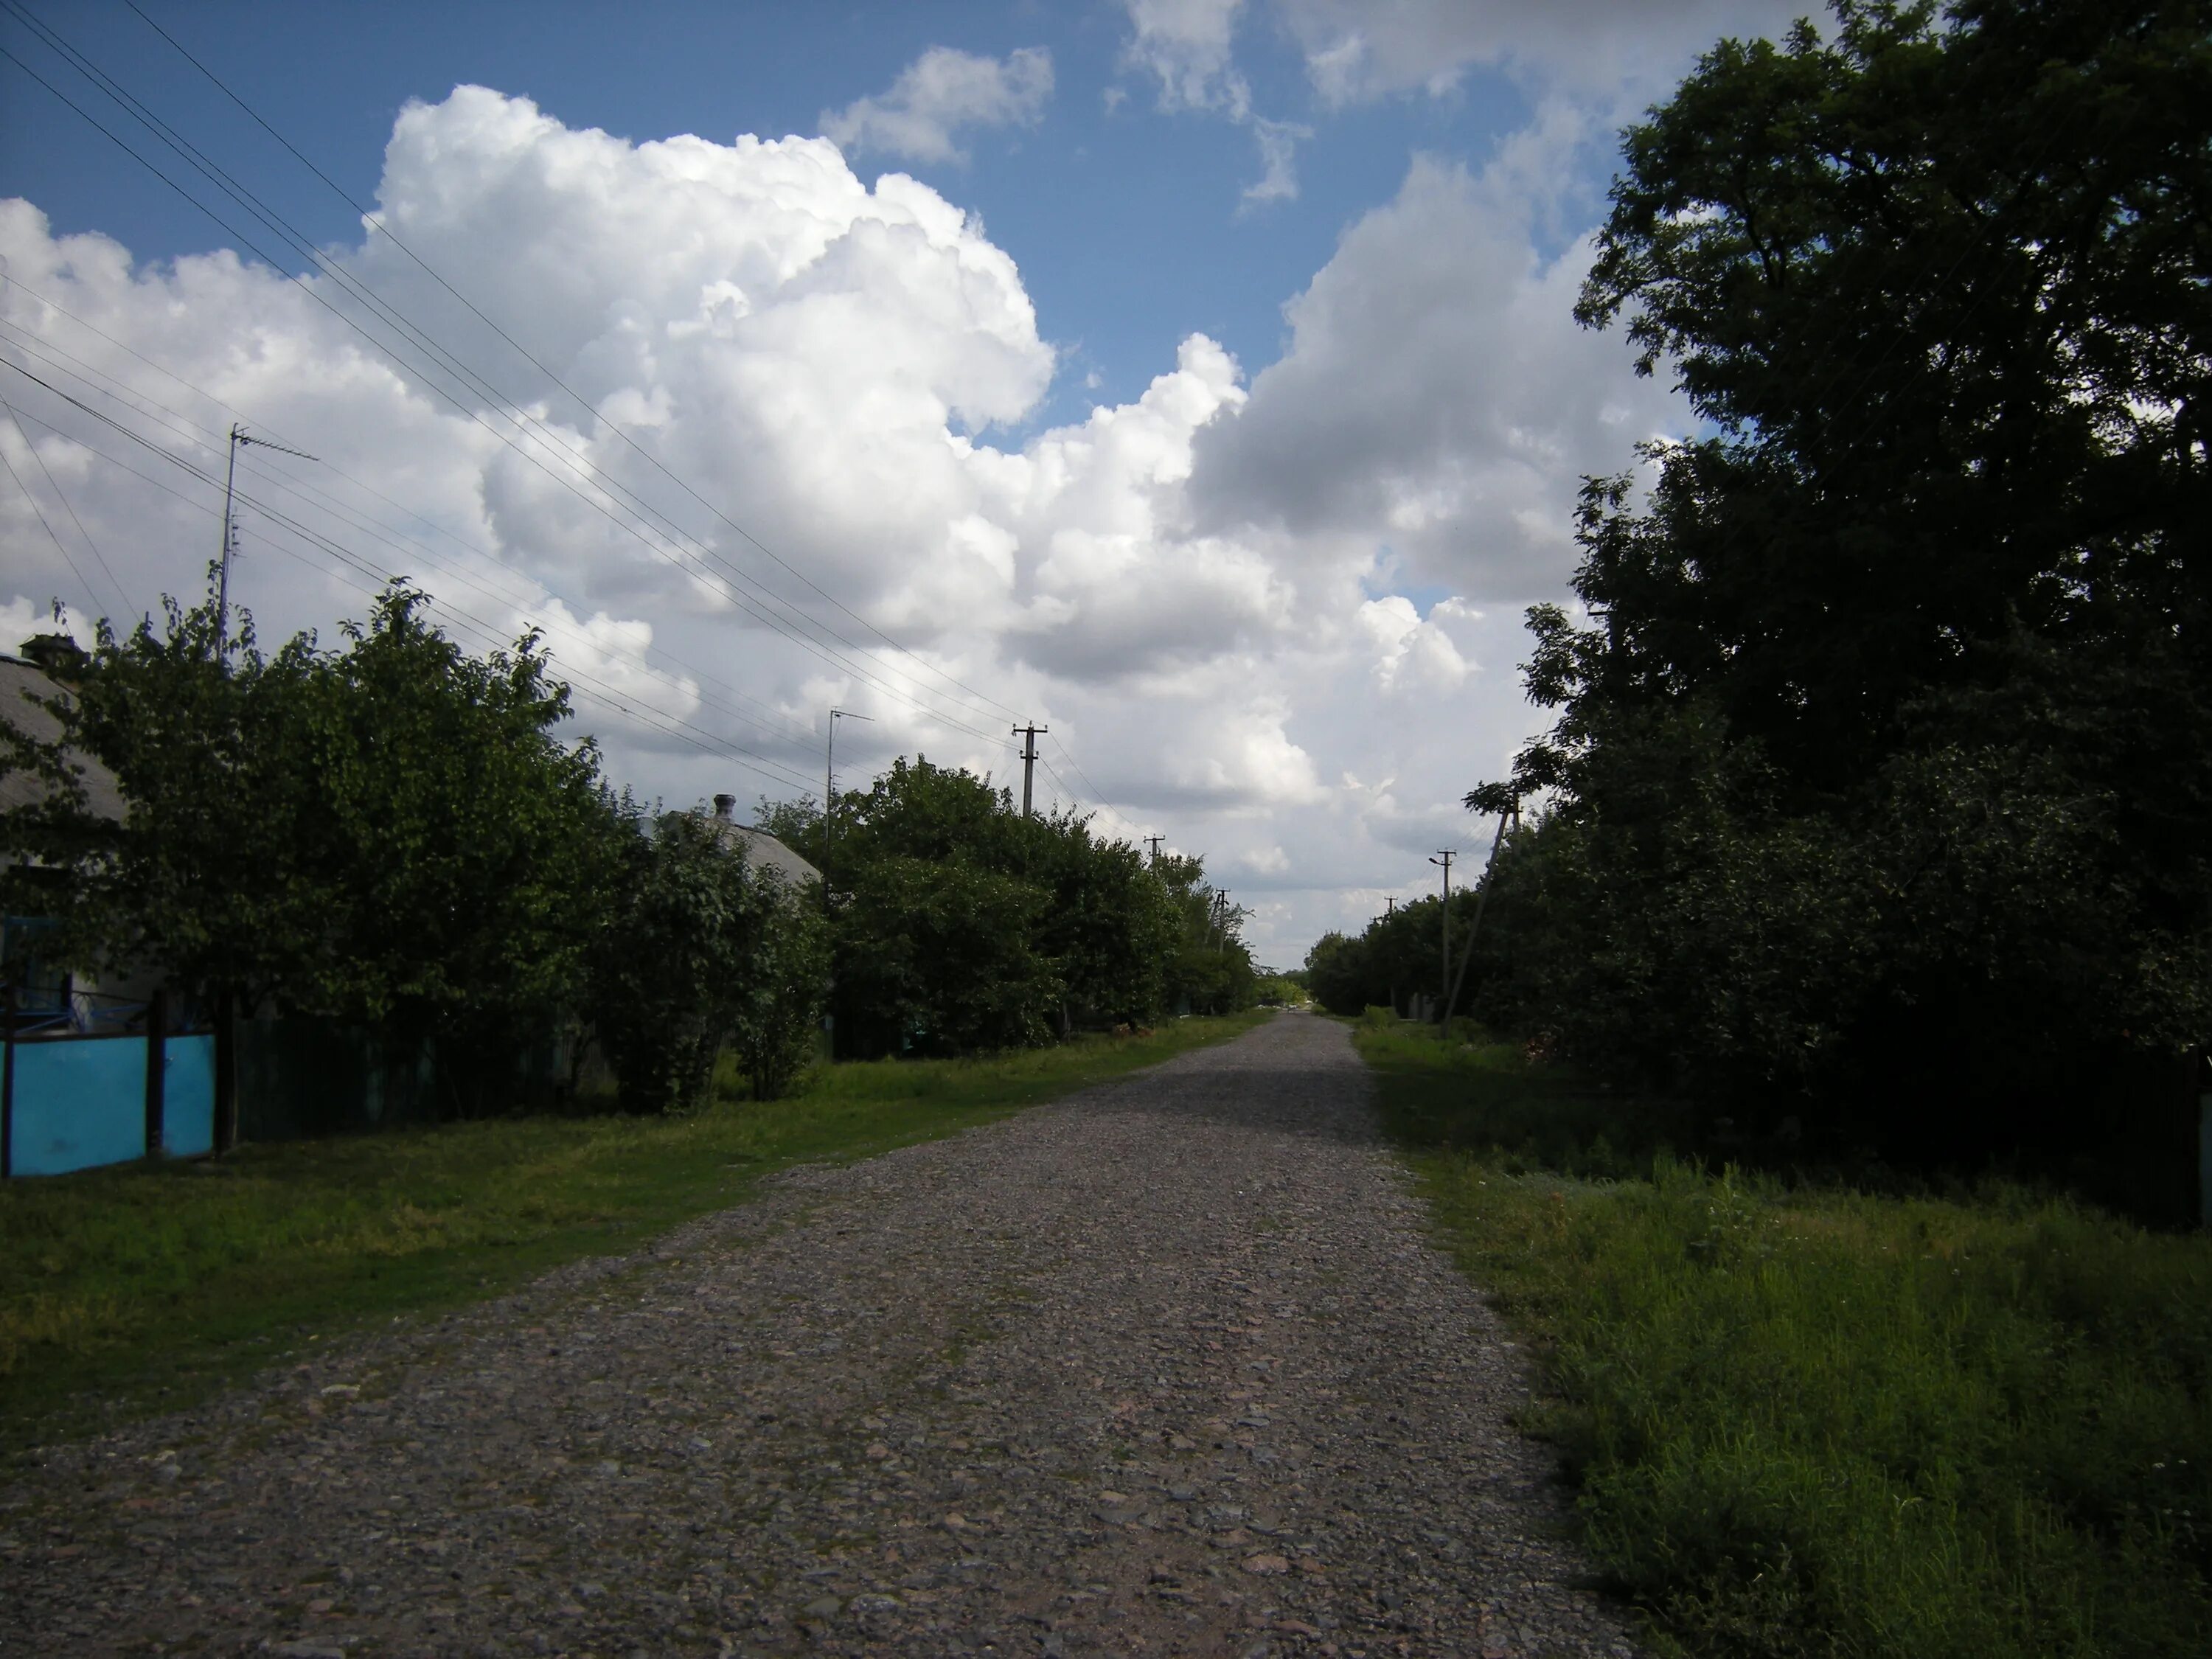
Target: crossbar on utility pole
[[1030, 734], [1154, 841]]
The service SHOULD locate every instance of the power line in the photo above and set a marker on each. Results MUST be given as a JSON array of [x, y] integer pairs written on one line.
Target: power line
[[795, 625], [677, 554], [367, 523], [650, 459], [41, 511], [122, 597], [1097, 793], [667, 724]]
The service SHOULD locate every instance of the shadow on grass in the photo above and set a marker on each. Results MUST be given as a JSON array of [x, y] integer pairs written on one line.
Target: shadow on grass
[[1471, 1093]]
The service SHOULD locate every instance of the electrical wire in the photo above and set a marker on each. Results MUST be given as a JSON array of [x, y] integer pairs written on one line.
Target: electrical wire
[[605, 498], [377, 223], [33, 450], [795, 625], [661, 720], [191, 431]]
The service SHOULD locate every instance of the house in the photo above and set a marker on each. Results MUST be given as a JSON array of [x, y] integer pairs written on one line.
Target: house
[[762, 850], [29, 684], [96, 1071]]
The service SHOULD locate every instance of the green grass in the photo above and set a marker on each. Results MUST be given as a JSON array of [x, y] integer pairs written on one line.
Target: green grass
[[1807, 1419], [142, 1287]]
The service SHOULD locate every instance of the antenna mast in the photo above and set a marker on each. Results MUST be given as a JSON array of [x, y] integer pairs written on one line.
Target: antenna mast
[[239, 440]]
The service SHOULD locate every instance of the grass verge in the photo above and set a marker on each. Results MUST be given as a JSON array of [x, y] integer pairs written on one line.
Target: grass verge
[[141, 1287], [1807, 1419]]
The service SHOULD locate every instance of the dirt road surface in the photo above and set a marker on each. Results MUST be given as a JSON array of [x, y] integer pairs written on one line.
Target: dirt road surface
[[1169, 1367]]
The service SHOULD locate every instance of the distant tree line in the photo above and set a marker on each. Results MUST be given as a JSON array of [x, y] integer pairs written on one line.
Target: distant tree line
[[1395, 958], [958, 923], [393, 834], [1879, 793]]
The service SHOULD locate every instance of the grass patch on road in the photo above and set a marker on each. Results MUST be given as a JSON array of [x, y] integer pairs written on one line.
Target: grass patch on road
[[1810, 1419], [141, 1287]]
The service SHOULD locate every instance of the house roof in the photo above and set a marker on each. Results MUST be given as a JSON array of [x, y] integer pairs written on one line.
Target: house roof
[[21, 682], [764, 852]]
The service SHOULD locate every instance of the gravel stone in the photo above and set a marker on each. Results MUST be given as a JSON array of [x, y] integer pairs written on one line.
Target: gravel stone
[[1169, 1368]]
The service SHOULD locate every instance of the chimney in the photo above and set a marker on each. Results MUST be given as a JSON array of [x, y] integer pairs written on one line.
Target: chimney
[[59, 654], [724, 805]]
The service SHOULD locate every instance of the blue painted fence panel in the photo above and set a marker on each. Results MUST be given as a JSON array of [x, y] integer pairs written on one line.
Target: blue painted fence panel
[[188, 1095], [79, 1103]]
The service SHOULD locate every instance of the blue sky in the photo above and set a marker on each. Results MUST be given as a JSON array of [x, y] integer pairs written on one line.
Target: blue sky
[[1128, 224], [1209, 393]]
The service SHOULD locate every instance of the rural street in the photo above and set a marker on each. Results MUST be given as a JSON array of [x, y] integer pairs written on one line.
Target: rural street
[[1168, 1368]]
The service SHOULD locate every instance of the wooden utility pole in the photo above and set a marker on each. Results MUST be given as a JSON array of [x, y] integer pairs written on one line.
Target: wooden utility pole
[[1444, 857], [1154, 841], [1509, 819], [1029, 760]]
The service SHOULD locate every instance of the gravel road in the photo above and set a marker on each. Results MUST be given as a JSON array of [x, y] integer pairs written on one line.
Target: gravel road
[[1168, 1368]]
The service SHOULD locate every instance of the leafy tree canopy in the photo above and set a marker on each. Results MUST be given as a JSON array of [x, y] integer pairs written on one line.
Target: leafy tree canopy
[[960, 924], [390, 832], [1883, 768]]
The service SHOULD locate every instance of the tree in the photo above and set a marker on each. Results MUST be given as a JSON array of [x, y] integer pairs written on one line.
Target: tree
[[389, 834], [702, 952], [1883, 768], [961, 924], [1210, 971]]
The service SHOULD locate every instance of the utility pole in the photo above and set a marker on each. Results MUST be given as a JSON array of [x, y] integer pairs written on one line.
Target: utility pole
[[1029, 760], [1154, 841], [1444, 857], [239, 440], [1509, 819], [829, 795]]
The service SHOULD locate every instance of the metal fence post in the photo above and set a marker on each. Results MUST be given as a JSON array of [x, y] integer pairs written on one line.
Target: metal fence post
[[157, 1068]]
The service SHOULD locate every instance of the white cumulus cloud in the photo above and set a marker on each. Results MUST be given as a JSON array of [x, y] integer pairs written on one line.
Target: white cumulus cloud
[[1437, 395], [1207, 593], [1358, 50], [938, 94]]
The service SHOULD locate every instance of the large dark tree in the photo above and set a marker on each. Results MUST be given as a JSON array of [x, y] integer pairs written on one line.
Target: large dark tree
[[392, 832], [1883, 774]]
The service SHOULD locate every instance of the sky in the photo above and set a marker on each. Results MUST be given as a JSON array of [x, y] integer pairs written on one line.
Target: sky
[[1196, 379]]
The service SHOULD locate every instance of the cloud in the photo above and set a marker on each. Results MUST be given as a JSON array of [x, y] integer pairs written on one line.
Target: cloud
[[1437, 395], [941, 91], [1360, 49], [821, 360], [1193, 589], [1186, 46], [1279, 178]]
